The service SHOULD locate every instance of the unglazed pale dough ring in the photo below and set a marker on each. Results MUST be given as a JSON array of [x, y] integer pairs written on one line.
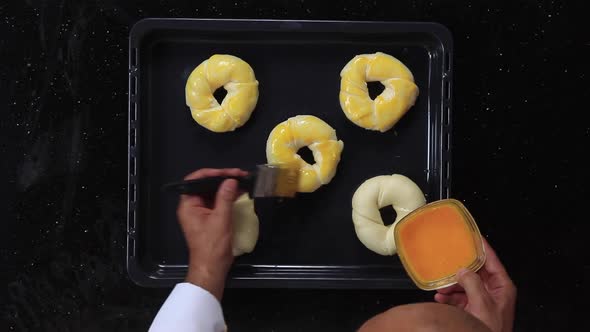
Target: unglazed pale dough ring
[[237, 78], [306, 130], [245, 223], [398, 96], [395, 190]]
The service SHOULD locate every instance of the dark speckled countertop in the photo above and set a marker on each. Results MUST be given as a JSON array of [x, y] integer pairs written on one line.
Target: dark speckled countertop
[[521, 137]]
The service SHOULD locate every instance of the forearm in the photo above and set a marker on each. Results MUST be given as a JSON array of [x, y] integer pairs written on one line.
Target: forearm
[[211, 280]]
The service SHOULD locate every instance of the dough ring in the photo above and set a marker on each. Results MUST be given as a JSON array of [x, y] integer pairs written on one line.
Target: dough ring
[[395, 190], [306, 130], [245, 224], [237, 78], [398, 96]]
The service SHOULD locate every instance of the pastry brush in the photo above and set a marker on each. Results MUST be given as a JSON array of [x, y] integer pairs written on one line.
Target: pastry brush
[[265, 181]]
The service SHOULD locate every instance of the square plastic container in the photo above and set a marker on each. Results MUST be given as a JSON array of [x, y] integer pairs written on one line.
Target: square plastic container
[[419, 236]]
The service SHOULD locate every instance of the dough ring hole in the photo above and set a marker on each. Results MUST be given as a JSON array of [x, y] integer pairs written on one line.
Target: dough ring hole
[[375, 89], [306, 154], [388, 215], [220, 94]]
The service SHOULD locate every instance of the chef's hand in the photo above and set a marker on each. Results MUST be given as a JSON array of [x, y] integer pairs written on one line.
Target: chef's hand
[[489, 294], [207, 228]]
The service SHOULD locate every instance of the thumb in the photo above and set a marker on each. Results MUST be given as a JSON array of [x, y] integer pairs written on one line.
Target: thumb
[[224, 200], [475, 290]]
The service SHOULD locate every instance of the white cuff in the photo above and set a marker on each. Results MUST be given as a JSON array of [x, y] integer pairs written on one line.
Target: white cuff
[[189, 308]]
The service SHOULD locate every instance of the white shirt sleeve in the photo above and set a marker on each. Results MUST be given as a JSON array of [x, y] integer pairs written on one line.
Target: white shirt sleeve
[[189, 308]]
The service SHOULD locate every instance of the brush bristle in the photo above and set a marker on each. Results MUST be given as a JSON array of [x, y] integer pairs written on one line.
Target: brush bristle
[[287, 182], [275, 180]]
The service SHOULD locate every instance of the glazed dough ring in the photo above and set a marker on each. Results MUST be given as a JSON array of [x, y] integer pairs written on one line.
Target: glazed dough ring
[[306, 130], [245, 223], [237, 78], [395, 190], [398, 96]]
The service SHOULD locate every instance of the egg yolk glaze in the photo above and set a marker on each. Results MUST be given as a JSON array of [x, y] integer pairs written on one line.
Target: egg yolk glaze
[[436, 242], [306, 130], [237, 78], [398, 96]]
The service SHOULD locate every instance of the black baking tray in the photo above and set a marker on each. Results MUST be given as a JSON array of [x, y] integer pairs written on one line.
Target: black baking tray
[[308, 242]]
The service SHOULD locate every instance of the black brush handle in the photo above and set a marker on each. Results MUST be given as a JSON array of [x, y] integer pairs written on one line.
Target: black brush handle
[[209, 186]]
